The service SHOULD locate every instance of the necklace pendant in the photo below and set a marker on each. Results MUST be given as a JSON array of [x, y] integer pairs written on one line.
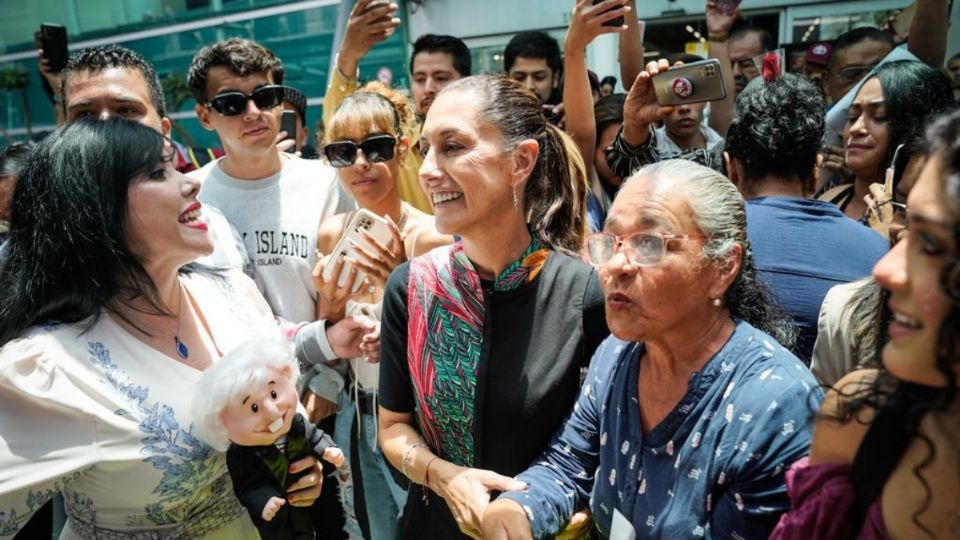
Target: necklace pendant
[[182, 349]]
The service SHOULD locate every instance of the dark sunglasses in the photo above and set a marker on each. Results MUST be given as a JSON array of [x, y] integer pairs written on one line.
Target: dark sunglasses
[[234, 103], [376, 149]]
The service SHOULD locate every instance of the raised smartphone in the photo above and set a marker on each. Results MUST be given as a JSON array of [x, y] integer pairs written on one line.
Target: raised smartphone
[[690, 83], [619, 21], [53, 41], [288, 123], [363, 220]]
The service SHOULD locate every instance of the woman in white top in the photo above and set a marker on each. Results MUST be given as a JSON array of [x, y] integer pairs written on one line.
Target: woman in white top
[[105, 331], [365, 141]]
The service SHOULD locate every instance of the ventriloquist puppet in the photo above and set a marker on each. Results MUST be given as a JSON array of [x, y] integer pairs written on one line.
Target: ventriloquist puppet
[[246, 405]]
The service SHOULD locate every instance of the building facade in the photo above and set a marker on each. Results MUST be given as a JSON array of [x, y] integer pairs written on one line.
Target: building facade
[[305, 33]]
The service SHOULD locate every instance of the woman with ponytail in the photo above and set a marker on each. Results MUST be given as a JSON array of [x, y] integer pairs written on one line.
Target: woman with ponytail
[[484, 342]]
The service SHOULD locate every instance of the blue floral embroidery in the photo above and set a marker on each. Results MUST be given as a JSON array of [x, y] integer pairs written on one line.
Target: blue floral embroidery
[[80, 506], [11, 521], [188, 465]]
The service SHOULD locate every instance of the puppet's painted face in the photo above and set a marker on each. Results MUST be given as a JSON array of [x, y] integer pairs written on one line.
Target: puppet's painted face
[[261, 415]]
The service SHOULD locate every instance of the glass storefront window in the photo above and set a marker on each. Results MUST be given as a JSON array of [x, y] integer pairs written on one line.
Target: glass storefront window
[[302, 38], [809, 24]]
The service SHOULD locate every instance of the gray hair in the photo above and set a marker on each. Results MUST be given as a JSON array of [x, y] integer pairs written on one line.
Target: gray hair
[[720, 213], [241, 369], [717, 205]]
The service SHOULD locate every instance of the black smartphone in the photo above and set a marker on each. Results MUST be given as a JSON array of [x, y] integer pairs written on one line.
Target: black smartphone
[[619, 21], [53, 40], [288, 123]]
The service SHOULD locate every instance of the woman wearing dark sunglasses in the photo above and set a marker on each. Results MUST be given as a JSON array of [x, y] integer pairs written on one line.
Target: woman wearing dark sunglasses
[[891, 107], [365, 143], [483, 343]]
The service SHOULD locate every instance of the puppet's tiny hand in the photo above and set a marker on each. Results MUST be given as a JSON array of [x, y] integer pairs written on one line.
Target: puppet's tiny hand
[[272, 507], [333, 455]]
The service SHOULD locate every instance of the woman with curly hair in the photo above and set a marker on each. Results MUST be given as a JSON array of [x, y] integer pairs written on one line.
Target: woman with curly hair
[[884, 458]]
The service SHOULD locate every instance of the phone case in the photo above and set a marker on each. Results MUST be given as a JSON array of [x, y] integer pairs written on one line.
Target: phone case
[[690, 83], [363, 220], [53, 38]]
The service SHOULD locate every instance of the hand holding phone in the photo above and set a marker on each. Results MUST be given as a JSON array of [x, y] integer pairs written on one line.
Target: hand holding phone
[[347, 247], [53, 41], [619, 21], [690, 83]]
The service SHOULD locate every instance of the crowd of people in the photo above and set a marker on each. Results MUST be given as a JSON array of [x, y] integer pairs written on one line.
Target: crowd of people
[[588, 314]]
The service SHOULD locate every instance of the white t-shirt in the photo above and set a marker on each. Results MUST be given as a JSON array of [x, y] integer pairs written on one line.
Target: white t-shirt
[[665, 143], [277, 218]]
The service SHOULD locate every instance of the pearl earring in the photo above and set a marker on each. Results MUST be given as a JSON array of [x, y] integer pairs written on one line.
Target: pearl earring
[[716, 302]]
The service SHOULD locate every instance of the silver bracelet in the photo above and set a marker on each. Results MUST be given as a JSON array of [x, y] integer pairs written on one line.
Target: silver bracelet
[[407, 460]]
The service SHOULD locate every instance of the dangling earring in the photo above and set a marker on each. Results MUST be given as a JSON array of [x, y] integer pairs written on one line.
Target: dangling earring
[[516, 201], [716, 302]]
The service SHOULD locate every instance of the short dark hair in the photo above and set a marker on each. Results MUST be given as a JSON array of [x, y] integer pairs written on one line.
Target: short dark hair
[[97, 59], [913, 93], [766, 39], [241, 56], [608, 110], [777, 128], [954, 57], [533, 44], [855, 36], [454, 46], [609, 79], [67, 256]]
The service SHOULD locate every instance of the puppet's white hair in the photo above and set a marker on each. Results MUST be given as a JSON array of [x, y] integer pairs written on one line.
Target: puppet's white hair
[[240, 370]]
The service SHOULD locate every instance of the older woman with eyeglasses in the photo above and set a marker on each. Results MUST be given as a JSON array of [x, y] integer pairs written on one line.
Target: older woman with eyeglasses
[[694, 408]]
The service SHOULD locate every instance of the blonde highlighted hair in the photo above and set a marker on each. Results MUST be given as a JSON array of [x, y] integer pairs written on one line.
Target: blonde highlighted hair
[[385, 109]]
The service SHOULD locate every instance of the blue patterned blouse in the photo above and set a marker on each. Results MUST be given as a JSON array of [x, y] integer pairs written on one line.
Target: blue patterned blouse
[[714, 467]]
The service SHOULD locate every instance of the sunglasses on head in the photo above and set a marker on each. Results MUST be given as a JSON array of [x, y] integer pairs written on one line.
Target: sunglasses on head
[[376, 149], [234, 103]]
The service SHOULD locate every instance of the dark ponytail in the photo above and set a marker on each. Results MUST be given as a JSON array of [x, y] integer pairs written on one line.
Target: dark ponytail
[[555, 192]]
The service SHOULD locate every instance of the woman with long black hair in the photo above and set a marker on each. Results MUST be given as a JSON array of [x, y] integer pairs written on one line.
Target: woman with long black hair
[[106, 327], [884, 459]]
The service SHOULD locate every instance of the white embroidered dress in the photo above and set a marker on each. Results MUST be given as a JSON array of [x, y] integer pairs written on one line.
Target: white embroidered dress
[[105, 419]]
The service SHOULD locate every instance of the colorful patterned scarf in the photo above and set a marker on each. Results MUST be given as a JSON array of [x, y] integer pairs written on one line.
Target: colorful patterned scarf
[[445, 339]]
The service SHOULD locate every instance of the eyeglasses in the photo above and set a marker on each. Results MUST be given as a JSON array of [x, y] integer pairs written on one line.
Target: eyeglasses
[[376, 149], [643, 249], [234, 103], [853, 73]]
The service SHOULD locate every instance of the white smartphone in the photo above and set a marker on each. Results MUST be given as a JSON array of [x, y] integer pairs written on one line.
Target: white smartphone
[[363, 220]]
